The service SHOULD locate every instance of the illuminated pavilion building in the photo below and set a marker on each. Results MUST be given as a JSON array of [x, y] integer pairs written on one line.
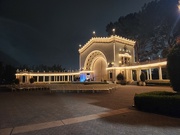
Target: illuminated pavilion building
[[100, 59]]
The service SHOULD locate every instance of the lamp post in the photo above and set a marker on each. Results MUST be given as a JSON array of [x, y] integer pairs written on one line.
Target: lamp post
[[114, 52], [113, 30], [114, 48], [94, 34]]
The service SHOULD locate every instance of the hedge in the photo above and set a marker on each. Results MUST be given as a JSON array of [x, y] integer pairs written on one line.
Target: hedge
[[166, 103]]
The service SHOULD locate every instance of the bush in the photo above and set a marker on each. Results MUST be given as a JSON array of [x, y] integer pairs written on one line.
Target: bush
[[121, 79], [166, 103], [143, 77], [31, 80], [16, 81], [173, 67]]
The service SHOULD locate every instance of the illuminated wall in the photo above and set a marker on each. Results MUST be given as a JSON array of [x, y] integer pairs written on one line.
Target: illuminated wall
[[110, 47], [102, 59]]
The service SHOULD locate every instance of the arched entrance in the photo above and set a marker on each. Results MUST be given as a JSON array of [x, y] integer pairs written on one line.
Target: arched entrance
[[96, 62], [99, 68]]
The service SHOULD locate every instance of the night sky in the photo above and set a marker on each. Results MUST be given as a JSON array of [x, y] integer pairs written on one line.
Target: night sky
[[49, 32]]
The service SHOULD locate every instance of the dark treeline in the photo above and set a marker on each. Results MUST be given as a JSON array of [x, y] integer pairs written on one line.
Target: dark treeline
[[7, 72], [154, 28]]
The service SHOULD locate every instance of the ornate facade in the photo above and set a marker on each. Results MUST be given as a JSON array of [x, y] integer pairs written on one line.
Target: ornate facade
[[102, 59]]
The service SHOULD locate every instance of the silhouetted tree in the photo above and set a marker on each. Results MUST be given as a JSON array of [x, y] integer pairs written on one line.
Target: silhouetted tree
[[154, 28], [7, 73], [173, 66]]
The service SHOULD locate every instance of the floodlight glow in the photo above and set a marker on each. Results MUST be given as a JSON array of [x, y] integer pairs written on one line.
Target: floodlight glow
[[82, 77]]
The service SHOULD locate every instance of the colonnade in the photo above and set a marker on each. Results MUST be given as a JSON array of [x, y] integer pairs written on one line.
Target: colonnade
[[131, 72], [46, 78], [149, 73]]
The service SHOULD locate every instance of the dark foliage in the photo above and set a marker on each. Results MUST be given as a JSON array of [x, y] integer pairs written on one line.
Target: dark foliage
[[7, 74], [143, 77], [173, 67], [166, 103], [31, 80], [154, 28], [120, 77]]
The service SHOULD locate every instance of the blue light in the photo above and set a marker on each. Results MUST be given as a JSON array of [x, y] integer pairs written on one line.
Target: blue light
[[82, 77]]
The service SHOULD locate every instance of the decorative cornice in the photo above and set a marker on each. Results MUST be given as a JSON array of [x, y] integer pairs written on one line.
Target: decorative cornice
[[107, 40], [144, 66], [47, 73]]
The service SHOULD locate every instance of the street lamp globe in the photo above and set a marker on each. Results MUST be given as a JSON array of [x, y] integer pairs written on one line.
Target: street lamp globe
[[94, 34], [113, 30]]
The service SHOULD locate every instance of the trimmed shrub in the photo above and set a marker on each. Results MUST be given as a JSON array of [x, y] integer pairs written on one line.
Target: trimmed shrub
[[166, 103], [120, 77], [173, 67], [31, 80], [143, 77]]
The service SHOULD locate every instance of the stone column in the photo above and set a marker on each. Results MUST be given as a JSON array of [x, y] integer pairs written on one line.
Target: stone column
[[114, 49], [114, 76], [138, 74], [147, 74], [37, 79], [127, 77], [68, 78], [160, 73], [131, 75], [150, 73], [27, 79]]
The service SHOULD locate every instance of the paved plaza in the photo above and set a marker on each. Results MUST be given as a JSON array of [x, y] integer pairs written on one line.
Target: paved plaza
[[44, 113]]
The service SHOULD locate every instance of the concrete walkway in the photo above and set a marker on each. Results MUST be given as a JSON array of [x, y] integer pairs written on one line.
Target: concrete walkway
[[39, 112]]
